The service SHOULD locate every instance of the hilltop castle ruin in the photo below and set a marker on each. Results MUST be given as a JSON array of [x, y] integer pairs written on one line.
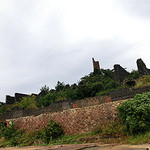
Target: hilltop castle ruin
[[119, 75]]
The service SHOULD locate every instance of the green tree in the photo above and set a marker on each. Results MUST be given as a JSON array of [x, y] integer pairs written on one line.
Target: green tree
[[60, 86], [44, 90]]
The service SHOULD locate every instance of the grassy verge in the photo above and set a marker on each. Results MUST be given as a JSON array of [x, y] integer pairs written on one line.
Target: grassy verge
[[29, 139], [139, 139]]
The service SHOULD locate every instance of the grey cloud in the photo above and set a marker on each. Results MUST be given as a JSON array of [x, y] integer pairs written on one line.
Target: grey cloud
[[36, 52], [67, 66], [138, 8]]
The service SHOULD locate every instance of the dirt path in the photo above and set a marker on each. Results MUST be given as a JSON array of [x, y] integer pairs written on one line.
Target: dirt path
[[83, 147]]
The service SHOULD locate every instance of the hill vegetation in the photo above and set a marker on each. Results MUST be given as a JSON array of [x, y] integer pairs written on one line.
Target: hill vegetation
[[94, 84], [134, 128], [134, 114]]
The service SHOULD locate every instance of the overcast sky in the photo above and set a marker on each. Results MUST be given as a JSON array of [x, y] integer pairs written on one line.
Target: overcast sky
[[45, 41]]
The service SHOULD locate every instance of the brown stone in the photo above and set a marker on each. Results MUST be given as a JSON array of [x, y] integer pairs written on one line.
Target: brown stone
[[96, 65]]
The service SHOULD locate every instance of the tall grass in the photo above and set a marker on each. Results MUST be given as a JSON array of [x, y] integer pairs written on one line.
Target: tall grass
[[138, 139], [143, 81]]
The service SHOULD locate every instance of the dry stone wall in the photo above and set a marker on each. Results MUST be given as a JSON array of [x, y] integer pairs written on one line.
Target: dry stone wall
[[73, 121], [75, 116]]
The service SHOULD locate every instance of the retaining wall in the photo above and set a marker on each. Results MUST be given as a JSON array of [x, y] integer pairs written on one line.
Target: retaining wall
[[73, 121], [75, 116]]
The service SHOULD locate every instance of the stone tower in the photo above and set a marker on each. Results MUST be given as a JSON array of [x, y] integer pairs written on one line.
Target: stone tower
[[95, 65]]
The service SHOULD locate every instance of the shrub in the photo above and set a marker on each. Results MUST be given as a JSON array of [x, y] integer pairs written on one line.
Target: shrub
[[143, 81], [71, 94], [46, 100], [26, 103], [60, 86], [111, 129], [133, 75], [3, 109], [2, 129], [135, 114], [52, 131], [11, 133], [61, 95], [44, 90], [99, 83]]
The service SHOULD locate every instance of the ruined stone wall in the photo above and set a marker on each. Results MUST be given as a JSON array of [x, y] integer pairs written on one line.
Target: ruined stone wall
[[120, 73], [57, 107], [127, 93], [95, 65], [73, 121], [78, 116]]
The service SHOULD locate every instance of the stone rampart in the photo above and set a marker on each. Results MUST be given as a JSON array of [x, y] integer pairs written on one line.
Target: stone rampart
[[75, 116], [73, 121]]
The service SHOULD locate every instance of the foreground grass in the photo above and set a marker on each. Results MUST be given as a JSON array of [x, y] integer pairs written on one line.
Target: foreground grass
[[29, 140], [92, 138], [139, 139]]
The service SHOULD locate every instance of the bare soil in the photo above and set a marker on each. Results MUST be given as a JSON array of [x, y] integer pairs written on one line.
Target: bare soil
[[90, 146]]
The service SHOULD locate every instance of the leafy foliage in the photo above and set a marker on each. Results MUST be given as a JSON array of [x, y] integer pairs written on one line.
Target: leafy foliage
[[111, 129], [60, 86], [2, 129], [3, 109], [94, 84], [109, 133], [52, 131], [44, 90], [14, 136], [133, 75], [135, 113], [11, 133], [26, 102], [46, 100]]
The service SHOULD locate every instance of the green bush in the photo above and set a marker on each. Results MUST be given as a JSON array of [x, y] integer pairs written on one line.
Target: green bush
[[46, 100], [11, 133], [133, 75], [44, 90], [26, 102], [71, 94], [2, 129], [135, 114], [52, 131], [97, 83], [111, 129], [3, 109], [60, 86]]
